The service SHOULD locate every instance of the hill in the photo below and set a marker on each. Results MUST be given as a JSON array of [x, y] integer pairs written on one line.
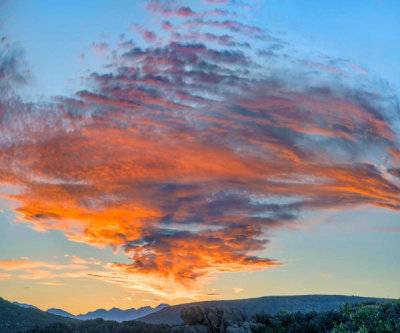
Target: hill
[[60, 312], [268, 304], [15, 318], [27, 306]]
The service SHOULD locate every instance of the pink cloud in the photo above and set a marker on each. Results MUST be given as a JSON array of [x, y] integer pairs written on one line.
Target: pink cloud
[[100, 49], [326, 275]]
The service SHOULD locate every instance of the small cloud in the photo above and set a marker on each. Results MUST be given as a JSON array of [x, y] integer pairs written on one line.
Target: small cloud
[[126, 298], [24, 258], [166, 25], [326, 275], [52, 283], [147, 35], [78, 260], [357, 68], [81, 57], [237, 290], [100, 49]]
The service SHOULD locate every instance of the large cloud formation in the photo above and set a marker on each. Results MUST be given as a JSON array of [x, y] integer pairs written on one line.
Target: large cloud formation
[[196, 144]]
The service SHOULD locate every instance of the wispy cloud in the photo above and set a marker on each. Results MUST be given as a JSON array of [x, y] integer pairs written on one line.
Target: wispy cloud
[[53, 284], [237, 290], [5, 276], [18, 265]]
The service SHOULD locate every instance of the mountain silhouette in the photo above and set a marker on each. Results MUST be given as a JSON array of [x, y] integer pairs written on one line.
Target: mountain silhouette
[[26, 306], [112, 314], [60, 312], [118, 314]]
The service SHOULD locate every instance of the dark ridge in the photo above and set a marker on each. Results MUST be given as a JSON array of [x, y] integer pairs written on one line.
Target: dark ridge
[[268, 304]]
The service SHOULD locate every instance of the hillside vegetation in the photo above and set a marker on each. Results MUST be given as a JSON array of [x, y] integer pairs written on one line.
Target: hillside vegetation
[[14, 318], [268, 304]]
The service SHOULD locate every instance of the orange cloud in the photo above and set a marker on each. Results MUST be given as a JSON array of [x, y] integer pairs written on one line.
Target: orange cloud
[[237, 290], [55, 284], [186, 157], [21, 265], [5, 276]]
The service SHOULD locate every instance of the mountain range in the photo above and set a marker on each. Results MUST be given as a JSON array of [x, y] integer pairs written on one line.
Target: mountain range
[[112, 314]]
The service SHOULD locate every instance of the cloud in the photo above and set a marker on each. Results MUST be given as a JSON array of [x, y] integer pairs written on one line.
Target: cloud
[[326, 275], [357, 68], [237, 290], [78, 260], [13, 71], [186, 155], [5, 276], [21, 265], [81, 57], [147, 35], [170, 9], [100, 49], [54, 284], [45, 272]]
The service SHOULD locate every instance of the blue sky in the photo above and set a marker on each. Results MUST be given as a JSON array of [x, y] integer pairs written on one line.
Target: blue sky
[[55, 34]]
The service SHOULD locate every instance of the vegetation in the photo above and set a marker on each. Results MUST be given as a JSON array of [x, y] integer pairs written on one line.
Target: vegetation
[[14, 318], [363, 317], [103, 326], [286, 321], [370, 317]]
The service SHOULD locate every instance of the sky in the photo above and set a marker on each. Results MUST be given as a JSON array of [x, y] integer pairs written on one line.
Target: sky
[[169, 152]]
